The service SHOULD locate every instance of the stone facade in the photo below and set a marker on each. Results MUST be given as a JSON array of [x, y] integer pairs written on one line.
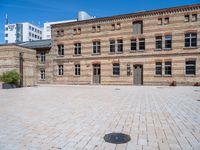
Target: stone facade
[[9, 60], [158, 23]]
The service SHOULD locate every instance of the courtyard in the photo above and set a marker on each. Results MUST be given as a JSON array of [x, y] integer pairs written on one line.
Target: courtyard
[[77, 117]]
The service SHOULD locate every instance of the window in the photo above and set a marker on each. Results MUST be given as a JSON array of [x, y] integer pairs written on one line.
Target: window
[[62, 32], [158, 42], [98, 28], [118, 26], [29, 27], [112, 46], [77, 48], [77, 31], [116, 69], [61, 50], [166, 20], [190, 39], [42, 57], [160, 21], [128, 69], [133, 44], [93, 29], [141, 44], [120, 45], [96, 47], [113, 26], [168, 68], [60, 70], [190, 67], [187, 18], [42, 74], [194, 17], [168, 42], [138, 27], [6, 35], [158, 68], [77, 70]]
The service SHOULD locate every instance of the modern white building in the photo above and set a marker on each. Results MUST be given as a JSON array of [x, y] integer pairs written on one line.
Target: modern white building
[[22, 32]]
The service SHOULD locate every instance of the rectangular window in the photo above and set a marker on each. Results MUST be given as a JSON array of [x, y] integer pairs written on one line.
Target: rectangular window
[[77, 70], [93, 29], [116, 69], [141, 44], [61, 50], [42, 74], [128, 69], [119, 45], [160, 21], [187, 18], [118, 26], [112, 46], [98, 28], [6, 35], [190, 67], [194, 17], [158, 68], [133, 45], [42, 57], [191, 40], [77, 48], [60, 70], [166, 20], [138, 27], [96, 47], [168, 68], [158, 42], [168, 42], [112, 27]]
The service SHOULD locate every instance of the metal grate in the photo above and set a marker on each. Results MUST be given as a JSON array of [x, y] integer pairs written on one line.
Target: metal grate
[[117, 138]]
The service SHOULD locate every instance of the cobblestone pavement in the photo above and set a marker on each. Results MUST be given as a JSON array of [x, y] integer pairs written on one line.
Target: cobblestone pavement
[[78, 117]]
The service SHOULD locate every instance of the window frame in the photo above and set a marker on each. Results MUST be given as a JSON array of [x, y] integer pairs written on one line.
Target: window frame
[[116, 69], [137, 23], [168, 68], [60, 70], [190, 38], [77, 70], [141, 47], [133, 44], [158, 68], [190, 65], [42, 74], [77, 49], [167, 39], [61, 49], [158, 43], [96, 47]]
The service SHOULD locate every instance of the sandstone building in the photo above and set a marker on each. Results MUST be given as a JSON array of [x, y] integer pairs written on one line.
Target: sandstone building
[[151, 48], [154, 47]]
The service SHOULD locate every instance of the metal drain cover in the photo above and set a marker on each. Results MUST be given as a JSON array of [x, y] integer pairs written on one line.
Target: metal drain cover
[[117, 138]]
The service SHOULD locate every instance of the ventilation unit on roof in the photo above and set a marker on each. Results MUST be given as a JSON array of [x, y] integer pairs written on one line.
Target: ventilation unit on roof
[[82, 15]]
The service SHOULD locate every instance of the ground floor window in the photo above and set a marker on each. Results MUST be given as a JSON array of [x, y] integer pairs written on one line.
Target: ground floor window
[[77, 70], [190, 67], [116, 69], [60, 70], [42, 74], [158, 68], [168, 68]]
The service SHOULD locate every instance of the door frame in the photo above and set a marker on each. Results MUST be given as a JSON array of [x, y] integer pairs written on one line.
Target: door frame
[[93, 66]]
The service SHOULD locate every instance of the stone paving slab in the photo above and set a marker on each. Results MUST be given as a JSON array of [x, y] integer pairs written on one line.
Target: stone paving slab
[[78, 117]]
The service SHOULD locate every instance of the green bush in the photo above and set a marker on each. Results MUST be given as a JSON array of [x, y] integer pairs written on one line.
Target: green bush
[[10, 77]]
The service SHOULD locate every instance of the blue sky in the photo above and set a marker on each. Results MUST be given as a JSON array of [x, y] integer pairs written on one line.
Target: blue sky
[[40, 11]]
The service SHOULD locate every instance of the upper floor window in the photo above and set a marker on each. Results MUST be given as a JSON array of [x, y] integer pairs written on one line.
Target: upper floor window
[[191, 40], [112, 26], [116, 69], [138, 27], [133, 44], [61, 50], [96, 47], [158, 42], [42, 57], [77, 70], [166, 20], [158, 68], [77, 31], [118, 26], [77, 48], [42, 74], [96, 28], [168, 42], [116, 46], [160, 21], [187, 18], [6, 35], [60, 70], [141, 44], [194, 17], [60, 32], [168, 68], [190, 67]]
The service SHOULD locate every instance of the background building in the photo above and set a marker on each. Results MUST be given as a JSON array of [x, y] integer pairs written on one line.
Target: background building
[[21, 32]]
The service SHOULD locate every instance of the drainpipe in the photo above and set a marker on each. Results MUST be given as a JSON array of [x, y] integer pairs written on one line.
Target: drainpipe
[[21, 59]]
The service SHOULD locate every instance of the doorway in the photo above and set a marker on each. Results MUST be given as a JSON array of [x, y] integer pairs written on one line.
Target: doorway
[[96, 73], [138, 74]]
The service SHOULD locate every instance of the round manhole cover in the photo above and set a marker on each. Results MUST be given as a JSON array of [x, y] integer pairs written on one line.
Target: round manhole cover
[[117, 138]]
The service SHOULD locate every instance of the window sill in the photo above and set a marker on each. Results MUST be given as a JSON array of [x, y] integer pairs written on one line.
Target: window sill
[[157, 75], [157, 49], [77, 76], [60, 55], [190, 75], [60, 75], [189, 48], [77, 55], [42, 79], [115, 75], [167, 75], [140, 50], [132, 51], [119, 52], [95, 54], [167, 49]]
